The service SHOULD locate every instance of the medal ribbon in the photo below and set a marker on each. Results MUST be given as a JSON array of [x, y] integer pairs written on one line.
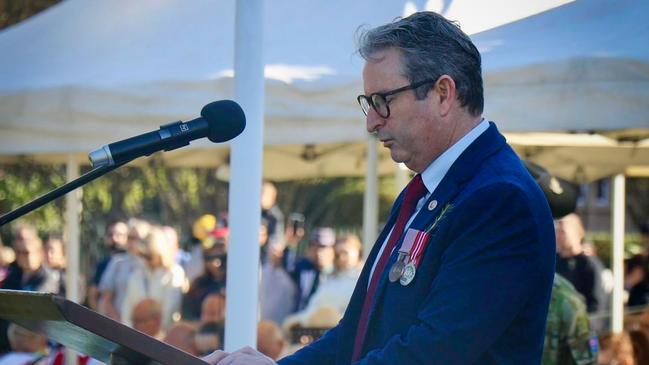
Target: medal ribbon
[[409, 240], [420, 243]]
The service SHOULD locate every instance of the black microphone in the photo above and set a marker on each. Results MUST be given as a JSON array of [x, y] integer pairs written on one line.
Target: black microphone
[[220, 121]]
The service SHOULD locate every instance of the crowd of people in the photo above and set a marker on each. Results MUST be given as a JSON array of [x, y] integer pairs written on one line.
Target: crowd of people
[[578, 330], [177, 292]]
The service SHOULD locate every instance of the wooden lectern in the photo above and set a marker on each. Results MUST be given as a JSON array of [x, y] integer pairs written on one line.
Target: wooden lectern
[[88, 332]]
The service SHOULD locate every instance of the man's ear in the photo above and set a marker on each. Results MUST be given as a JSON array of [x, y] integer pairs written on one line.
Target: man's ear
[[445, 94]]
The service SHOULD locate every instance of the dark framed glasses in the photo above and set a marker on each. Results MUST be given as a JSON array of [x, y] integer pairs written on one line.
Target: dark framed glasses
[[378, 102]]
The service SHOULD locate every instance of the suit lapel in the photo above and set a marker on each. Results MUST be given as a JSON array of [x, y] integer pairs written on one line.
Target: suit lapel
[[425, 217], [488, 143]]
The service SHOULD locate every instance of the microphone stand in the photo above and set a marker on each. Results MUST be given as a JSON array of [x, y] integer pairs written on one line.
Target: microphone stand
[[58, 192]]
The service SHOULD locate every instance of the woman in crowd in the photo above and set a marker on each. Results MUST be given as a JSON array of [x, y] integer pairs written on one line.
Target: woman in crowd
[[160, 279]]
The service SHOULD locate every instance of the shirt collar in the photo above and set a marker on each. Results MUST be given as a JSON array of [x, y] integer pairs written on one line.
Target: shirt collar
[[435, 172]]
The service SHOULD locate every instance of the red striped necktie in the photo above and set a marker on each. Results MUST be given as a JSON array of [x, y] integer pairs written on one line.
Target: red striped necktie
[[415, 191]]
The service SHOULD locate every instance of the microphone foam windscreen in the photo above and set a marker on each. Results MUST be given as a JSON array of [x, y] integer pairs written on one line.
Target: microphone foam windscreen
[[225, 118]]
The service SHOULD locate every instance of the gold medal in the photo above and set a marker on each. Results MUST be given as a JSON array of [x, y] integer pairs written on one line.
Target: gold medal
[[408, 273]]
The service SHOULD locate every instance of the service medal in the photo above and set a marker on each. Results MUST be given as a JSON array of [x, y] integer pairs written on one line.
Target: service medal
[[397, 267], [408, 273], [396, 271]]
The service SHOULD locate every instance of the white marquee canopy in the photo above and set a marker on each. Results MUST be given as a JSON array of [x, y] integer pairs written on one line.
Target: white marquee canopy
[[85, 73]]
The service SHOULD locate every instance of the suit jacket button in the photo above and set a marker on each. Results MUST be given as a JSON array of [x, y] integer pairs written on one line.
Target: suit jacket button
[[432, 205]]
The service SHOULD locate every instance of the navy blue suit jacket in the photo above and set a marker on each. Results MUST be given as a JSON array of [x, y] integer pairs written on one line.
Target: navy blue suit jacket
[[481, 292]]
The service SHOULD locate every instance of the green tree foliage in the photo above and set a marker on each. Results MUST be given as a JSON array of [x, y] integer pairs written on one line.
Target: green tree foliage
[[14, 11], [171, 196], [20, 185], [333, 202], [152, 191]]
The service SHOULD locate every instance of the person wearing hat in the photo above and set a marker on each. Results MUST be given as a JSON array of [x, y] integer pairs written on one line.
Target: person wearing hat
[[315, 266], [202, 229], [333, 294], [569, 338], [212, 280]]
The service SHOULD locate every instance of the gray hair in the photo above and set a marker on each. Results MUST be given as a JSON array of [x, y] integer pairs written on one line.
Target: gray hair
[[431, 46], [24, 340]]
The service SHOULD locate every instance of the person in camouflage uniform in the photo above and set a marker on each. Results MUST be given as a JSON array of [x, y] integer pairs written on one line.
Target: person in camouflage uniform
[[568, 337]]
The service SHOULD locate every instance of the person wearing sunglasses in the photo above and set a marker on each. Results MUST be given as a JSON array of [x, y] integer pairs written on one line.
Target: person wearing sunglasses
[[462, 271]]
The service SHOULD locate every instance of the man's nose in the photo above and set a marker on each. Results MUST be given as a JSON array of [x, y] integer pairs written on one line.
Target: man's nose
[[373, 121]]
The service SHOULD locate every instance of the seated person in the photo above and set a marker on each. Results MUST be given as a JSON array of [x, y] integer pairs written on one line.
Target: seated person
[[181, 336], [315, 266], [147, 317], [270, 340], [209, 338], [331, 298], [211, 281], [616, 348], [27, 347], [213, 308]]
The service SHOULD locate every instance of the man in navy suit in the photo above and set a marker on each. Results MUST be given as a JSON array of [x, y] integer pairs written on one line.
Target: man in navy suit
[[462, 272]]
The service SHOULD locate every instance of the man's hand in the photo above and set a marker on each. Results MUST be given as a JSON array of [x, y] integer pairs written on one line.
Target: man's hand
[[106, 307], [215, 357], [244, 356]]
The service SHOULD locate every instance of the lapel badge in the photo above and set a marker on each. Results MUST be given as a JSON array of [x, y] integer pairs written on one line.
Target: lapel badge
[[432, 205]]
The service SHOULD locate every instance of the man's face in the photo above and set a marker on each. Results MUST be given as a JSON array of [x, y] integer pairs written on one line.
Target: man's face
[[569, 235], [412, 131], [213, 309], [325, 256], [54, 255], [268, 196], [347, 256], [215, 262], [117, 236], [29, 254], [147, 323]]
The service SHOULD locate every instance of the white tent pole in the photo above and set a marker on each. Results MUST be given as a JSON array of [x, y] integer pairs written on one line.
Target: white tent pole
[[617, 229], [401, 177], [72, 222], [371, 196], [245, 180]]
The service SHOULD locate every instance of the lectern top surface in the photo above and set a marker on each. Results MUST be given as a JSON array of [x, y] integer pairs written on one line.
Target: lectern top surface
[[86, 331]]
